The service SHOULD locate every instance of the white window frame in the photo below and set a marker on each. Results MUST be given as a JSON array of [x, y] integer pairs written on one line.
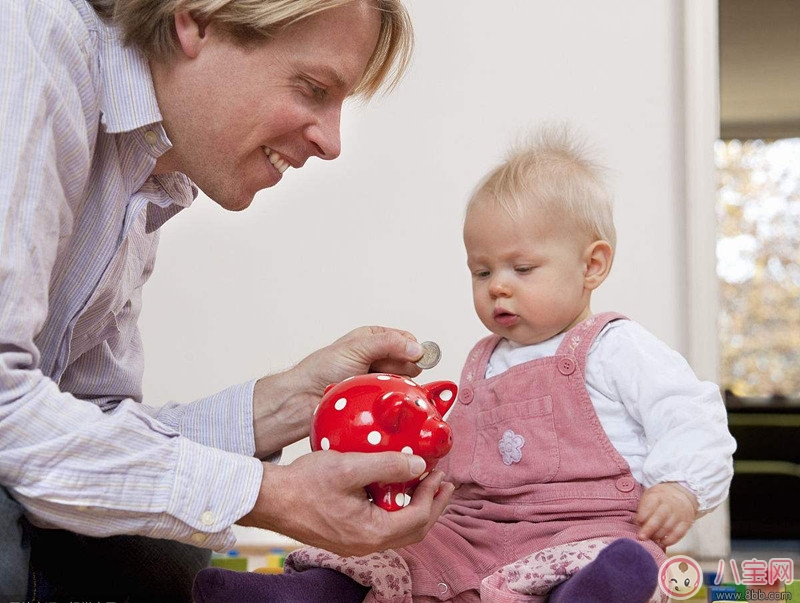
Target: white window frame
[[709, 538]]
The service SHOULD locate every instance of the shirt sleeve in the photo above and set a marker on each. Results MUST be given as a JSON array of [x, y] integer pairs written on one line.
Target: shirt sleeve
[[68, 463], [684, 419]]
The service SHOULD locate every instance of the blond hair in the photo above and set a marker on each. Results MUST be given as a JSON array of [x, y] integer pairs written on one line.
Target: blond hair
[[554, 172], [149, 25]]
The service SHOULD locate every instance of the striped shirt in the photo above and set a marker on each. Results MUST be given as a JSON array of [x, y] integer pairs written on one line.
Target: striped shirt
[[79, 221]]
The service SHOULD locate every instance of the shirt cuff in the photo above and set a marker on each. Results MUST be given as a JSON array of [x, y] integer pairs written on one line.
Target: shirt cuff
[[212, 490]]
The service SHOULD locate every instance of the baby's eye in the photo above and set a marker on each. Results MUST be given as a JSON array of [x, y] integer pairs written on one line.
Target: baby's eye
[[524, 269], [480, 273]]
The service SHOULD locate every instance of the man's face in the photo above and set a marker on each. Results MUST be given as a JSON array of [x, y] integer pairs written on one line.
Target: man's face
[[237, 117]]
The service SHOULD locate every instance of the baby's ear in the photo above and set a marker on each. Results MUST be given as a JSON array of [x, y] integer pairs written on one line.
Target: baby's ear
[[597, 257]]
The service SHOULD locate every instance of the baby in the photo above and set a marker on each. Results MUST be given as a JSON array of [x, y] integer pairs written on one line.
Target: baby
[[583, 445]]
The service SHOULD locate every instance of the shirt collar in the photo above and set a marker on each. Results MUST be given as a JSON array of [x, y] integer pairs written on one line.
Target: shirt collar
[[128, 100]]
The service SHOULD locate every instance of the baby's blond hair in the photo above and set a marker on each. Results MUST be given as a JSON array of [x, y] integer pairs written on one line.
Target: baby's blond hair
[[553, 171]]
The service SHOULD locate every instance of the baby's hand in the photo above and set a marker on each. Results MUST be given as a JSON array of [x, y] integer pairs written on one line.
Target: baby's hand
[[666, 511]]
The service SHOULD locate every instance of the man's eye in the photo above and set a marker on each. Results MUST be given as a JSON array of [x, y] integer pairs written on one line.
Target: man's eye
[[317, 92]]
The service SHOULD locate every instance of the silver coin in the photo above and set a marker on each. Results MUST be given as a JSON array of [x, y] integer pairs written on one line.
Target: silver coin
[[430, 356]]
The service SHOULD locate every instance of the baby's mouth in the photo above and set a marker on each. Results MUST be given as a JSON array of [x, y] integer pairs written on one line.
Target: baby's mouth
[[502, 317]]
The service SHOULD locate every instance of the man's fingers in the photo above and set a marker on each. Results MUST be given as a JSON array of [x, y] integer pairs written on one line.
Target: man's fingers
[[386, 343], [382, 467], [427, 503], [395, 367]]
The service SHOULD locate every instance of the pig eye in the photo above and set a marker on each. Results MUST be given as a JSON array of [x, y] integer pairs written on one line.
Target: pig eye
[[421, 403]]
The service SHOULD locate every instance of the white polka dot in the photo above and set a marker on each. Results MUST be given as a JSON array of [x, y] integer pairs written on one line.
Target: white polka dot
[[407, 500], [424, 475], [446, 395], [325, 444], [421, 403], [407, 450], [387, 396], [340, 403], [400, 499], [383, 377], [374, 438], [410, 382]]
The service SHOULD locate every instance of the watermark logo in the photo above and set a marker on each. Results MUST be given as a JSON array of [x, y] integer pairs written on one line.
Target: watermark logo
[[680, 577], [758, 571]]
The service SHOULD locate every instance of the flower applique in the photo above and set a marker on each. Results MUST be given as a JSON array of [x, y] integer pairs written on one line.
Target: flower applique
[[510, 446]]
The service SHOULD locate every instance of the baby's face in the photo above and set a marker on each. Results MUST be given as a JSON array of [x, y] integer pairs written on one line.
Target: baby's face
[[527, 273]]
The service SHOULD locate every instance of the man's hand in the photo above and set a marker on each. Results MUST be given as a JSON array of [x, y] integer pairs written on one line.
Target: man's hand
[[320, 500], [376, 349], [666, 512], [284, 403]]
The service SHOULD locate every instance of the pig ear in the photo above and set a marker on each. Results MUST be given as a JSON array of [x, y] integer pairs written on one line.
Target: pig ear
[[327, 389], [442, 394]]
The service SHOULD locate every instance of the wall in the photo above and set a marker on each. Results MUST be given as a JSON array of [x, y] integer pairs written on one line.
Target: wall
[[375, 237]]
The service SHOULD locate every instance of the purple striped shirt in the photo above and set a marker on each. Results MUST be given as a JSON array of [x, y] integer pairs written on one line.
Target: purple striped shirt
[[79, 221]]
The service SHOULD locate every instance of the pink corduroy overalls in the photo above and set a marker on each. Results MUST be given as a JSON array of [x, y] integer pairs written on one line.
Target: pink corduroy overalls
[[533, 469]]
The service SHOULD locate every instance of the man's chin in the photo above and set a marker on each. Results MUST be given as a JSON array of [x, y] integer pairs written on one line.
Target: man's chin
[[232, 202]]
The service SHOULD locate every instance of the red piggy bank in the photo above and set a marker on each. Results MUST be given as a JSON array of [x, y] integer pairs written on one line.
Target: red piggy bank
[[381, 412]]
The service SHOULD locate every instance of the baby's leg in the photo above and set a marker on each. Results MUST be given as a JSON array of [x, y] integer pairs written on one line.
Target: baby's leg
[[624, 572], [314, 585]]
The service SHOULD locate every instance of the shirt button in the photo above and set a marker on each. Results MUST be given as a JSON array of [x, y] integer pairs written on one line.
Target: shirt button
[[443, 588], [466, 395], [566, 366], [198, 538], [625, 484], [151, 137], [207, 518]]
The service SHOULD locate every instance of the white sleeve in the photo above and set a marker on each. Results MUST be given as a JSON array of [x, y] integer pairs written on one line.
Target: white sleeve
[[684, 419]]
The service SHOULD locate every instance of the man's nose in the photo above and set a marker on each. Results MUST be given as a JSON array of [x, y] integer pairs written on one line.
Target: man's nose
[[325, 135]]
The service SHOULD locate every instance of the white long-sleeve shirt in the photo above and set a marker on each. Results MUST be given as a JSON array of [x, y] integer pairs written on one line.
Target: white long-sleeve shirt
[[80, 132], [667, 424]]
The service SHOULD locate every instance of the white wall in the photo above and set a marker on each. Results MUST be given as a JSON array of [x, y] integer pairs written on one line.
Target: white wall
[[375, 236]]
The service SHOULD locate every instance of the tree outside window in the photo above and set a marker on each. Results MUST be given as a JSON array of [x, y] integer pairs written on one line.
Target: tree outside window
[[758, 266]]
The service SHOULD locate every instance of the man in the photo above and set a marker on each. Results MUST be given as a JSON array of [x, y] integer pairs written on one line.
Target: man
[[113, 113]]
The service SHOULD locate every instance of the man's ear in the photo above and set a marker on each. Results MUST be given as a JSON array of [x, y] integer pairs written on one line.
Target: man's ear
[[597, 258], [191, 33]]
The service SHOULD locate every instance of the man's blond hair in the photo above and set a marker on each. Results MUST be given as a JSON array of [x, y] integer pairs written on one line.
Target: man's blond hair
[[149, 25], [554, 172]]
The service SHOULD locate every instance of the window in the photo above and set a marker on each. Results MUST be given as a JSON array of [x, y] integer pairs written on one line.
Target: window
[[758, 199], [758, 266]]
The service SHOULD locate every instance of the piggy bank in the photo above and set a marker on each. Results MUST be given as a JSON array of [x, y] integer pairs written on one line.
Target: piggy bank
[[381, 412]]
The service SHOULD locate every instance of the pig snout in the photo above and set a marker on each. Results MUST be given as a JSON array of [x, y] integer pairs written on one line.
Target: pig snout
[[437, 439]]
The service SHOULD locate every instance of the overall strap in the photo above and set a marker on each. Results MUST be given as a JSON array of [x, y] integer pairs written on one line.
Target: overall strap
[[579, 339], [475, 365]]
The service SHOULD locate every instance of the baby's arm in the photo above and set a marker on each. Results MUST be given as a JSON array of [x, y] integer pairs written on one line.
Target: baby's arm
[[682, 452], [666, 512]]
